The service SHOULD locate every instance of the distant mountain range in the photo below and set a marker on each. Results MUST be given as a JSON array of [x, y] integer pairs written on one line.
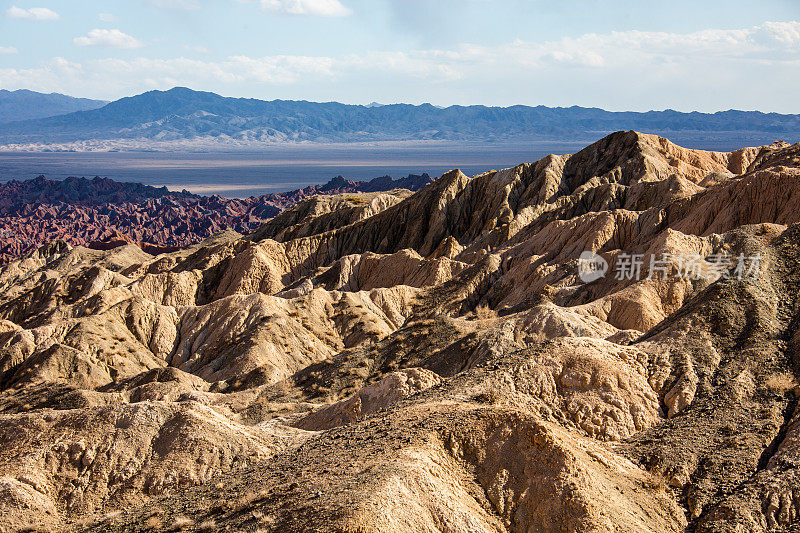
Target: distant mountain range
[[29, 105], [182, 117]]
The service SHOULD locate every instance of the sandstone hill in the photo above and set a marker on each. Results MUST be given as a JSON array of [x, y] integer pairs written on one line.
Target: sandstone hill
[[390, 361], [101, 213]]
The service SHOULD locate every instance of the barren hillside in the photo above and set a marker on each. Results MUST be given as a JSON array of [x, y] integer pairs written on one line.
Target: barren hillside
[[436, 361]]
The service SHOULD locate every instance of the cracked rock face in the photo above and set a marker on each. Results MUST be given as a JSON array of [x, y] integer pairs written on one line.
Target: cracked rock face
[[426, 362]]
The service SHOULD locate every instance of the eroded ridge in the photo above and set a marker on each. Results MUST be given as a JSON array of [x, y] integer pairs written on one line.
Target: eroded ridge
[[434, 361]]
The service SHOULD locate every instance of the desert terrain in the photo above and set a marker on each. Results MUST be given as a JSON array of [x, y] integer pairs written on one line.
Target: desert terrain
[[102, 213], [426, 361]]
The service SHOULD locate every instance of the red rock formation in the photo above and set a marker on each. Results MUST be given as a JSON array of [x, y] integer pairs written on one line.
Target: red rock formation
[[102, 214]]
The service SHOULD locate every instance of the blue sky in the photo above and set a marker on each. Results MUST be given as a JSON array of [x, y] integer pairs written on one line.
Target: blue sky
[[617, 54]]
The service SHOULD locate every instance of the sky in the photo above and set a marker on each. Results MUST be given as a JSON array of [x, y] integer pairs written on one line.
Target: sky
[[688, 55]]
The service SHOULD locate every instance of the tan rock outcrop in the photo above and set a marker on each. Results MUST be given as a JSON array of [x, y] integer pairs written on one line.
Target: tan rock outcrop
[[426, 362]]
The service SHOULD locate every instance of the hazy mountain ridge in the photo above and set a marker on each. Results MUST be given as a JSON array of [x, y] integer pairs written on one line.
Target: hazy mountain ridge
[[29, 105], [182, 115]]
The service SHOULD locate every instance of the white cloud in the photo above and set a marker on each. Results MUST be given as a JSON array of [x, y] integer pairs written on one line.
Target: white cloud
[[120, 77], [634, 49], [8, 50], [44, 78], [108, 17], [176, 4], [618, 70], [313, 8], [785, 33], [34, 13], [108, 38]]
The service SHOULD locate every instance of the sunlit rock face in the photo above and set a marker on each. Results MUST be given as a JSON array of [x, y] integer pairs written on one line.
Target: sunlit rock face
[[428, 361]]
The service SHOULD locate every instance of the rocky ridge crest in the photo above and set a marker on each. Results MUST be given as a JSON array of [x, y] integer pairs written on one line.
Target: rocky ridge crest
[[426, 362]]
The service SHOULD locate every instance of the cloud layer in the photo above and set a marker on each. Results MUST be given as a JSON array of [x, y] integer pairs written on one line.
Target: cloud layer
[[109, 39], [34, 13], [312, 8], [620, 70]]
